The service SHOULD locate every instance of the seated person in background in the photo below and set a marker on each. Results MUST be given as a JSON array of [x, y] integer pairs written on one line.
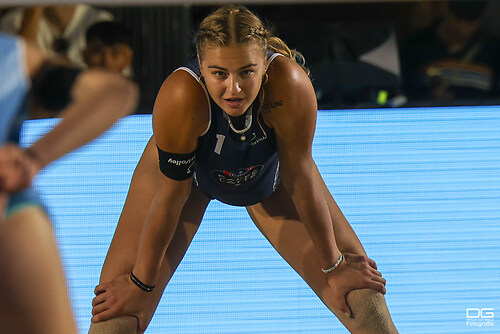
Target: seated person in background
[[454, 59], [109, 46], [32, 285], [58, 28]]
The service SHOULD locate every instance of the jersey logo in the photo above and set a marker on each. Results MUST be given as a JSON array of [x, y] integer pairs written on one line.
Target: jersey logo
[[254, 140], [244, 175]]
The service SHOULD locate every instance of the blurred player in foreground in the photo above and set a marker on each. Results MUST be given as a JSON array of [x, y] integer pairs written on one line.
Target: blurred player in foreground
[[33, 293]]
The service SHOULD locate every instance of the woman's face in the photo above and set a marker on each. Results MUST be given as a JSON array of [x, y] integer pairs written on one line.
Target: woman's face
[[233, 75]]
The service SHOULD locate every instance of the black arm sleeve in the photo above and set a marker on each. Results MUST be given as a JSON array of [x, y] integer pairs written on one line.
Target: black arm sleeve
[[176, 166]]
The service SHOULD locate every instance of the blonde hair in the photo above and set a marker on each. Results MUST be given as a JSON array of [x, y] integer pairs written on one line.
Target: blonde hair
[[237, 25]]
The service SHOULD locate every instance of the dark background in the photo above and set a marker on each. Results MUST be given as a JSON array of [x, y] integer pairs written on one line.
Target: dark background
[[162, 35], [162, 39]]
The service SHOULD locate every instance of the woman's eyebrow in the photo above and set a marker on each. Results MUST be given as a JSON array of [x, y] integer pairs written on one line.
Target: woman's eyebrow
[[225, 69]]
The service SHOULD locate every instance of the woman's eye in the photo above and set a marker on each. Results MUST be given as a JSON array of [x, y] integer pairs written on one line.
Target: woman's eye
[[219, 74], [247, 72]]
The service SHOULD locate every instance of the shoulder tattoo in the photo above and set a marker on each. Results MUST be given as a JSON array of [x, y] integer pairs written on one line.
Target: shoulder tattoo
[[268, 106]]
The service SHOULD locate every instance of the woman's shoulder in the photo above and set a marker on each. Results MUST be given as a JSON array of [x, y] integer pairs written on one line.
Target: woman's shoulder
[[288, 90], [182, 88], [182, 101], [284, 71], [286, 78]]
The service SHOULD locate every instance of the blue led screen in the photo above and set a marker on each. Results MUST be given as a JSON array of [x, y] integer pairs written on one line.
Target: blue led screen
[[421, 188]]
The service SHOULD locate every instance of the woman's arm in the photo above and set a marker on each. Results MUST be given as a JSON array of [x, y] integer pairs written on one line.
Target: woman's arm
[[180, 116], [99, 99], [294, 124]]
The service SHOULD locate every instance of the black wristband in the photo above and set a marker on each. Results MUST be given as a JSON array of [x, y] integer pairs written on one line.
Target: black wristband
[[142, 286]]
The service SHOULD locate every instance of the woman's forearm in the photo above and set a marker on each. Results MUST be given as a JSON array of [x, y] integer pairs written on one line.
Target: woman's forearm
[[312, 208], [100, 99], [159, 228]]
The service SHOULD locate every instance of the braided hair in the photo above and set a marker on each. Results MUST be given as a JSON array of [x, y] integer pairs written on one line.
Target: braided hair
[[237, 25]]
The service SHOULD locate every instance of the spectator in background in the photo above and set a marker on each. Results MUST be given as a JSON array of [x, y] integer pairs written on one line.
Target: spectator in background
[[33, 291], [109, 46], [59, 28], [423, 14], [454, 59]]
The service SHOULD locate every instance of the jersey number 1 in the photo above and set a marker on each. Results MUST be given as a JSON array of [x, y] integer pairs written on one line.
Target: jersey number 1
[[220, 142]]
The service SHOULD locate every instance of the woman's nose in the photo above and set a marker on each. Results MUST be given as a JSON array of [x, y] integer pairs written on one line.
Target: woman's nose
[[234, 85]]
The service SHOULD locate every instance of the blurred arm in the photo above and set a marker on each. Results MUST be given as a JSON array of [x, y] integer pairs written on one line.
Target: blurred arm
[[99, 100]]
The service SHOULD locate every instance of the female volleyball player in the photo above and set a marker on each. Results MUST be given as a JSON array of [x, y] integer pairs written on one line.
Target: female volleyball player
[[235, 125]]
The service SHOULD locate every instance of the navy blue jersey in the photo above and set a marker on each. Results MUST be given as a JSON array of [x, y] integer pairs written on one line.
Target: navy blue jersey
[[235, 167]]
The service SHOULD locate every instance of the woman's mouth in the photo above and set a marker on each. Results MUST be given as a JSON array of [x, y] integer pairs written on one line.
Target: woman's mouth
[[233, 102]]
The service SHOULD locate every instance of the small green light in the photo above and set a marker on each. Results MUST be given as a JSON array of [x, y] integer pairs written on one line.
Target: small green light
[[382, 97]]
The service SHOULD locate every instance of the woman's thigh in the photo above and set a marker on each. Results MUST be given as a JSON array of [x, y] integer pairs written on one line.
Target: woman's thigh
[[279, 221], [33, 290]]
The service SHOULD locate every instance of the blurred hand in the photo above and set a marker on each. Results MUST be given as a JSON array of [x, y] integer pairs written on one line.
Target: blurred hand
[[120, 297], [17, 168], [354, 272]]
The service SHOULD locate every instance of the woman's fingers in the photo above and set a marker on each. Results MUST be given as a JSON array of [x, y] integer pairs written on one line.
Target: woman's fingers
[[372, 263], [101, 298], [375, 272], [99, 308], [99, 289], [103, 316], [379, 279], [377, 286]]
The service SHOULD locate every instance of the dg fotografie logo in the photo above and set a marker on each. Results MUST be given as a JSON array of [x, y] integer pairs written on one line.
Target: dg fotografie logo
[[480, 317]]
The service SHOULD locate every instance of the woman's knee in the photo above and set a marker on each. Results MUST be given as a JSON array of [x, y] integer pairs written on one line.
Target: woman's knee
[[370, 312], [122, 325]]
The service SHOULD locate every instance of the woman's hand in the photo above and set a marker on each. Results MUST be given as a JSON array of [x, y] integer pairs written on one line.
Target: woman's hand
[[17, 168], [120, 297], [354, 272]]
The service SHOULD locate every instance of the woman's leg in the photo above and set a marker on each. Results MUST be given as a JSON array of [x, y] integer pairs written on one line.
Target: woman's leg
[[278, 220], [33, 292], [123, 250]]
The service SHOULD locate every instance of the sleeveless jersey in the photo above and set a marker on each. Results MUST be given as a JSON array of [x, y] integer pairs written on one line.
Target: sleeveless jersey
[[235, 168], [14, 88]]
